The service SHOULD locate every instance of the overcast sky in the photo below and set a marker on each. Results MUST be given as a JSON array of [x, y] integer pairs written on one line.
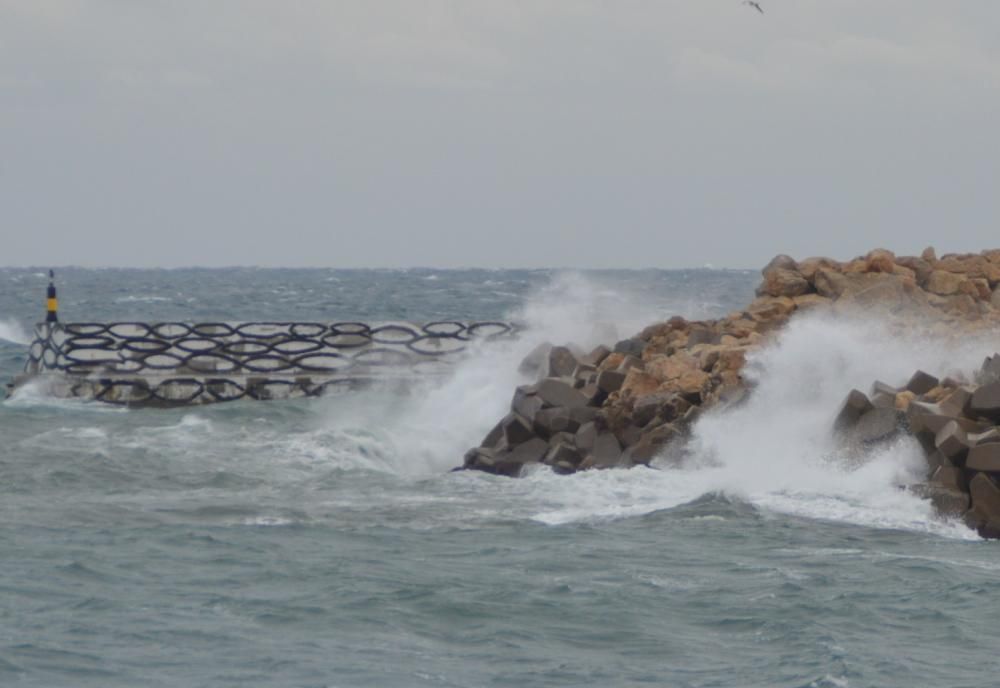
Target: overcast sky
[[495, 133]]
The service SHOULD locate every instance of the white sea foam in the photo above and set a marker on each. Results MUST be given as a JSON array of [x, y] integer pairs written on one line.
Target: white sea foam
[[11, 331], [428, 431], [777, 452]]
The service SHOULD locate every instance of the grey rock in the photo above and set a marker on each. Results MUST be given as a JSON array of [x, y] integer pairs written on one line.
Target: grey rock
[[606, 453], [517, 430], [953, 442], [558, 393], [631, 347], [984, 457], [526, 405], [984, 515], [855, 405], [596, 356], [879, 423], [986, 401], [532, 364], [921, 383], [585, 437], [561, 362], [610, 381]]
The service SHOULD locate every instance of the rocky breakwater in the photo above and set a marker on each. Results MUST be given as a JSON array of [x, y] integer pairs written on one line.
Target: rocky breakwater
[[956, 422], [624, 404]]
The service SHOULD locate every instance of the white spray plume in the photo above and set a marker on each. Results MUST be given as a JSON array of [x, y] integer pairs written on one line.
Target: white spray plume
[[11, 331], [428, 431]]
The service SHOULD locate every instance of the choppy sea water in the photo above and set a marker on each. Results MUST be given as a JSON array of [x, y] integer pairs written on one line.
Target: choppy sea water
[[325, 542]]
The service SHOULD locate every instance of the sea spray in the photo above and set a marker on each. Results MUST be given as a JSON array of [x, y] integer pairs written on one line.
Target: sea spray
[[426, 430], [778, 450], [12, 332]]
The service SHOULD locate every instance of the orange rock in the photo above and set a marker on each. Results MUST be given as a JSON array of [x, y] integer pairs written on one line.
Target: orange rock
[[732, 359], [808, 267], [771, 308], [693, 382], [903, 400], [612, 361], [672, 367], [783, 282], [945, 283], [920, 267], [981, 287], [638, 384], [856, 265], [807, 301], [880, 260], [830, 283]]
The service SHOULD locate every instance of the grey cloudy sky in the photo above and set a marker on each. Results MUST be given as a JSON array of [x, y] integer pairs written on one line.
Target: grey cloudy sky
[[578, 133]]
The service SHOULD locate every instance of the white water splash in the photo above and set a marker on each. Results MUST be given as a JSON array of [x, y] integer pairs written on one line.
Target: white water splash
[[427, 431], [777, 452], [11, 331]]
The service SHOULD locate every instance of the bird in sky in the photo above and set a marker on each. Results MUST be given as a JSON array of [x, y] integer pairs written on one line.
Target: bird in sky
[[755, 5]]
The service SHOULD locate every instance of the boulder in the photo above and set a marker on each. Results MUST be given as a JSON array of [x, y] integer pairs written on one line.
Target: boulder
[[920, 267], [585, 437], [610, 381], [984, 515], [947, 502], [830, 283], [931, 423], [950, 477], [953, 442], [808, 267], [921, 382], [780, 262], [562, 456], [550, 421], [597, 356], [986, 401], [881, 260], [606, 452], [595, 395], [945, 283], [855, 405], [517, 430], [984, 457], [561, 362], [879, 423], [526, 403], [957, 402], [783, 282], [511, 463], [990, 370], [554, 392], [630, 347], [494, 436], [648, 407], [532, 364], [478, 458]]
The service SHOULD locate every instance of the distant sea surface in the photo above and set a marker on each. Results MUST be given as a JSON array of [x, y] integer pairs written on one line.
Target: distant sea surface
[[325, 542]]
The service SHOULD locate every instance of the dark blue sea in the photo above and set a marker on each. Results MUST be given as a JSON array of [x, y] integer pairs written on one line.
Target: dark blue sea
[[325, 542]]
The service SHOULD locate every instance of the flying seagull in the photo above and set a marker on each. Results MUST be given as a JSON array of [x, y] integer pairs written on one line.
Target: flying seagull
[[755, 5]]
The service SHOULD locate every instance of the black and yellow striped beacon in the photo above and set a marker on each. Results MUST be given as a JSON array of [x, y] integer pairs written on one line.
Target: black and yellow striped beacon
[[52, 303]]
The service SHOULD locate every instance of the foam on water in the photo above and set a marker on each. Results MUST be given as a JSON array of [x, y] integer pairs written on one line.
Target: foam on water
[[777, 451]]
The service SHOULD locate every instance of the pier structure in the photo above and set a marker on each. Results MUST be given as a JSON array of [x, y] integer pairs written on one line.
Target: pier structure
[[176, 364]]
